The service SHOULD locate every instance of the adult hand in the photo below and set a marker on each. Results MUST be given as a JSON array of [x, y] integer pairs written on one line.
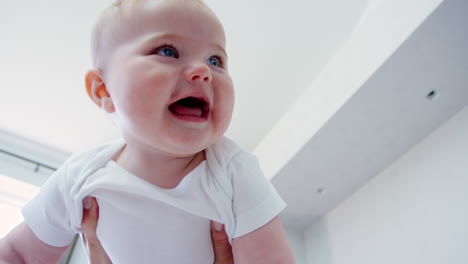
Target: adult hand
[[97, 254], [222, 248]]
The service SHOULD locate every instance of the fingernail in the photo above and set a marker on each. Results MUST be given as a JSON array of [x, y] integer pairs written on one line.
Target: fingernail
[[218, 226], [87, 203]]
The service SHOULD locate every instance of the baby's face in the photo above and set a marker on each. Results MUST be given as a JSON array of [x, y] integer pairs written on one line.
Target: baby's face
[[168, 79]]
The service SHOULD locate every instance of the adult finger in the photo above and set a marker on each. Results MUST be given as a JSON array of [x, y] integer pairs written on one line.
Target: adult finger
[[222, 248], [90, 216], [96, 253]]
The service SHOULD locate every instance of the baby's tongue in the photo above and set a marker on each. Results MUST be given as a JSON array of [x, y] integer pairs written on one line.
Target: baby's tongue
[[185, 110]]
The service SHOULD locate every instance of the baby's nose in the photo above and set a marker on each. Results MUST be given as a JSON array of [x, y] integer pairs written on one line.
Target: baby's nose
[[199, 72]]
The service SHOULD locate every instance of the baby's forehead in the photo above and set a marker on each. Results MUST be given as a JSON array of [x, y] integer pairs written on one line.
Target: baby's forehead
[[132, 16], [127, 19], [173, 17], [111, 27], [132, 9]]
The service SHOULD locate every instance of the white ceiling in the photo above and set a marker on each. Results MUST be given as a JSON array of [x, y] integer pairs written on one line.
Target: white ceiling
[[325, 94], [383, 119]]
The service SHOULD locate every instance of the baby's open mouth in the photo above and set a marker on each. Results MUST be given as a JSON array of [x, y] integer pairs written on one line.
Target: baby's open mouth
[[191, 106]]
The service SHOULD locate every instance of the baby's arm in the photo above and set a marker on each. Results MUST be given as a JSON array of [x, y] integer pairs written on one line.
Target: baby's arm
[[268, 244], [259, 236], [21, 245]]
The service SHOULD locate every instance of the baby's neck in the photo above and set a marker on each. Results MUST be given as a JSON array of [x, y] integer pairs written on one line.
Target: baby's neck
[[161, 170]]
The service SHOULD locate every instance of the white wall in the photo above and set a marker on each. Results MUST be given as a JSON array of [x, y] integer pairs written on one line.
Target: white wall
[[381, 30], [296, 243], [415, 211], [78, 255]]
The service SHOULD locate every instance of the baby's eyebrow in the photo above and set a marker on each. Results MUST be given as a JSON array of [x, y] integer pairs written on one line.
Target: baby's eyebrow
[[162, 35], [175, 37]]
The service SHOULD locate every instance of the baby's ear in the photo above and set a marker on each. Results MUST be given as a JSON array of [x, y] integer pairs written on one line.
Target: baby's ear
[[97, 90]]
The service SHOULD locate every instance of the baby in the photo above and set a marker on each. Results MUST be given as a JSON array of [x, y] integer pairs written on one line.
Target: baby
[[160, 72]]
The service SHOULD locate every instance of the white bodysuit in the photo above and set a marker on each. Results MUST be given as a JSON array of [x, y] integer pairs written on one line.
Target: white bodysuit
[[142, 223]]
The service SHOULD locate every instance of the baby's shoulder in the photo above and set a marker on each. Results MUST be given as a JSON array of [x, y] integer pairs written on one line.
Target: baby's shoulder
[[227, 154], [94, 157], [98, 151], [223, 151]]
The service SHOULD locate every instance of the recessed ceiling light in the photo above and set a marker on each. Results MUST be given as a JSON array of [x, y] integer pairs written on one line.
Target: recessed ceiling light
[[432, 95], [320, 190]]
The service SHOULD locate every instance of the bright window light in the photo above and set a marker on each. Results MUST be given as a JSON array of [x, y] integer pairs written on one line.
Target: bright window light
[[14, 195]]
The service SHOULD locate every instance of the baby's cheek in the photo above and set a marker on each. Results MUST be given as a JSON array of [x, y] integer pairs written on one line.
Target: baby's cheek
[[222, 118]]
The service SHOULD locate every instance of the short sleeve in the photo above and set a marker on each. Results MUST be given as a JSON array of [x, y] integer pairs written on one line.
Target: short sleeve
[[47, 213], [255, 200]]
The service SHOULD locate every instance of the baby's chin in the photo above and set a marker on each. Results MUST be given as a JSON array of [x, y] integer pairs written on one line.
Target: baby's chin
[[187, 150], [188, 146]]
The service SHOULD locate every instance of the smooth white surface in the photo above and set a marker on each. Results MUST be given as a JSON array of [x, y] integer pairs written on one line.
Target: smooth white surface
[[78, 255], [382, 120], [413, 212], [381, 30], [296, 243]]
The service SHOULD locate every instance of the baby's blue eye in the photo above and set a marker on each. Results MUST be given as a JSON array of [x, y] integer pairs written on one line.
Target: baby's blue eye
[[215, 61], [167, 51]]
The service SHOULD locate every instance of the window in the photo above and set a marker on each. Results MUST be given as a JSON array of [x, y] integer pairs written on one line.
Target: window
[[24, 166], [14, 194]]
